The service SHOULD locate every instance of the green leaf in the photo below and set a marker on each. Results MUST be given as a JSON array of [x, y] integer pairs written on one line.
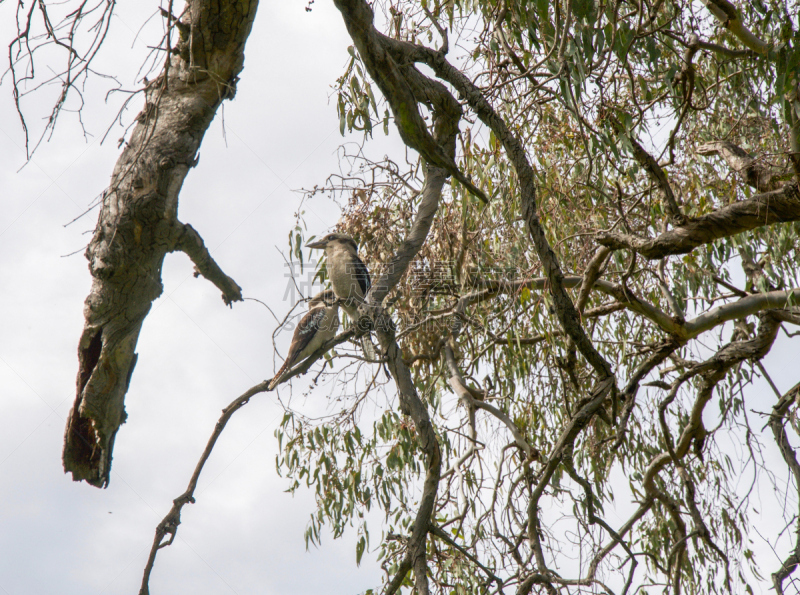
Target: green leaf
[[360, 547]]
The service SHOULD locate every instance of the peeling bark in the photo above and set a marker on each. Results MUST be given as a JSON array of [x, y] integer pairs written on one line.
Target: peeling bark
[[138, 224]]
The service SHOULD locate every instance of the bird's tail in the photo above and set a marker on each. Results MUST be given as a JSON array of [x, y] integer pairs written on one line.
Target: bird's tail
[[366, 341], [276, 380]]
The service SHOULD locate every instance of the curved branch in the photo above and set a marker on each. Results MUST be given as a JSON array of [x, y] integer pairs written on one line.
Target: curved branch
[[565, 309], [412, 405], [399, 83], [741, 308], [756, 175], [789, 455], [193, 246], [459, 386], [768, 208], [711, 372], [404, 87], [727, 14]]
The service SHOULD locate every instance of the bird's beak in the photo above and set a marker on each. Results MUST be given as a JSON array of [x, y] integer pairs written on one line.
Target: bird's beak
[[318, 244]]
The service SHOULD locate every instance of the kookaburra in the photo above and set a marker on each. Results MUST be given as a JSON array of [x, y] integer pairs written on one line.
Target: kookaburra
[[348, 274], [318, 326]]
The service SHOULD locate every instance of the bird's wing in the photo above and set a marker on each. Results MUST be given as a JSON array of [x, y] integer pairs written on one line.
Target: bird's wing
[[304, 333], [362, 276]]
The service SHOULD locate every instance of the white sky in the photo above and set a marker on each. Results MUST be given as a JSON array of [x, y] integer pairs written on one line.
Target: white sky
[[244, 535]]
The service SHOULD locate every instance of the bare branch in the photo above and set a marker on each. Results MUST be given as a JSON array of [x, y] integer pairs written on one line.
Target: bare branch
[[169, 524], [711, 372], [192, 244], [459, 385], [138, 225], [776, 421]]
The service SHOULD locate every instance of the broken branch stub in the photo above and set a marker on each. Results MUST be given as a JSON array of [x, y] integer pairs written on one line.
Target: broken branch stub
[[138, 225]]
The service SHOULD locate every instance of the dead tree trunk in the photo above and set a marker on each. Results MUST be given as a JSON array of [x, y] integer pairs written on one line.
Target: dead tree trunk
[[138, 223]]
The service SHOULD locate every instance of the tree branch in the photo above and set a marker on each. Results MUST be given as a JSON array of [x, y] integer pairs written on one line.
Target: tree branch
[[399, 83], [727, 14], [590, 275], [404, 87], [565, 309], [741, 308], [711, 372], [769, 208], [138, 225], [756, 175], [459, 386], [169, 524], [776, 420], [655, 172], [192, 244]]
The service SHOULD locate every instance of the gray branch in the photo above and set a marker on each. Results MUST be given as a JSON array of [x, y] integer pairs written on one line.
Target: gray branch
[[727, 14], [565, 309], [756, 175], [168, 527], [768, 208], [711, 372], [138, 225], [192, 244], [776, 420], [459, 386]]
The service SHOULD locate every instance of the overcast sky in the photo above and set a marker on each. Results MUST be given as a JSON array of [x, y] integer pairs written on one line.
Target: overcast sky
[[244, 535]]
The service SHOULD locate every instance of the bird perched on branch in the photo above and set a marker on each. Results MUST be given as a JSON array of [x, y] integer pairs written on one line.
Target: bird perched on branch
[[318, 326], [349, 276]]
